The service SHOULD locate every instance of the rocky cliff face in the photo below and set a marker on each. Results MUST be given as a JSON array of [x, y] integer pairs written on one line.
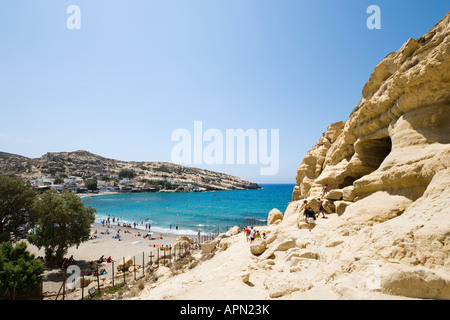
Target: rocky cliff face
[[398, 136], [388, 172]]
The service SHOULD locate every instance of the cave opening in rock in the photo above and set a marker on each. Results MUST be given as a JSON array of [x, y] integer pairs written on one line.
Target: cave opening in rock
[[348, 181], [371, 153]]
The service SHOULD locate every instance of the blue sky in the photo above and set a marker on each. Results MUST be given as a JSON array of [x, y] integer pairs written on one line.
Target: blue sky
[[137, 70]]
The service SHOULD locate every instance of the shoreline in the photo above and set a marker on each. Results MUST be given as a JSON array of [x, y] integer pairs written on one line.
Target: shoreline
[[102, 242], [87, 195], [130, 245], [104, 193]]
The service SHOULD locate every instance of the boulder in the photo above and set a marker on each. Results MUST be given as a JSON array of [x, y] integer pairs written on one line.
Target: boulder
[[181, 242], [208, 247], [348, 193], [258, 246], [334, 195], [245, 277], [274, 215], [328, 206], [233, 231], [223, 244], [341, 206]]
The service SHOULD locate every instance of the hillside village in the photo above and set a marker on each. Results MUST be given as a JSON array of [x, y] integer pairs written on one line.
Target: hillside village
[[85, 172]]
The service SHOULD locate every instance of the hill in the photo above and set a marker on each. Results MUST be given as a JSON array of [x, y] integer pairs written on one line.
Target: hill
[[85, 165]]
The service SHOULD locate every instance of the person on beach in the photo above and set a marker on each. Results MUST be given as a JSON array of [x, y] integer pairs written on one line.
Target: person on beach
[[324, 190], [89, 271], [252, 234], [65, 263], [310, 218], [306, 205], [321, 209]]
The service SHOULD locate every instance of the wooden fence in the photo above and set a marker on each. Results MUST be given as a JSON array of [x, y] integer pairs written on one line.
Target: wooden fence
[[141, 265]]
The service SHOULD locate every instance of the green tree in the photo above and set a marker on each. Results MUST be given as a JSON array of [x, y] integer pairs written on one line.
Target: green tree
[[91, 185], [63, 221], [126, 173], [16, 202], [20, 272]]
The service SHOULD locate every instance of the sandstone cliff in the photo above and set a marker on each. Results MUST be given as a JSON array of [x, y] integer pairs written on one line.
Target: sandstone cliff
[[386, 234], [388, 169], [398, 136]]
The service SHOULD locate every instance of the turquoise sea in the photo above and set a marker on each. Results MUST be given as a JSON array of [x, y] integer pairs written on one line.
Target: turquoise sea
[[204, 211]]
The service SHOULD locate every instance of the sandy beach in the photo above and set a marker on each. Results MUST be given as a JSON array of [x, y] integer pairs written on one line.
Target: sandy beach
[[104, 244]]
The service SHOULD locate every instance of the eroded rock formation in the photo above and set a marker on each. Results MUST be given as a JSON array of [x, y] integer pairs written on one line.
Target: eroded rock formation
[[387, 169], [398, 136]]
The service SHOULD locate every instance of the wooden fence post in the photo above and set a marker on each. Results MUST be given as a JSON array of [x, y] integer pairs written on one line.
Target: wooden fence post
[[82, 288], [98, 279], [112, 273], [123, 270], [134, 267], [64, 286]]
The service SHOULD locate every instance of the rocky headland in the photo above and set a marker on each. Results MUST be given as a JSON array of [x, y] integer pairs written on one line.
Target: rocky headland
[[86, 165]]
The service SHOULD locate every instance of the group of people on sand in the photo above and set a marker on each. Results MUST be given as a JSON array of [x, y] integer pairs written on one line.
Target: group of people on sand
[[310, 214], [252, 234], [148, 235], [94, 270], [67, 262], [107, 223], [103, 259]]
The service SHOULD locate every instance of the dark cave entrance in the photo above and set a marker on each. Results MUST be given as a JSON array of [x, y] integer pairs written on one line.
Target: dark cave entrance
[[372, 153]]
